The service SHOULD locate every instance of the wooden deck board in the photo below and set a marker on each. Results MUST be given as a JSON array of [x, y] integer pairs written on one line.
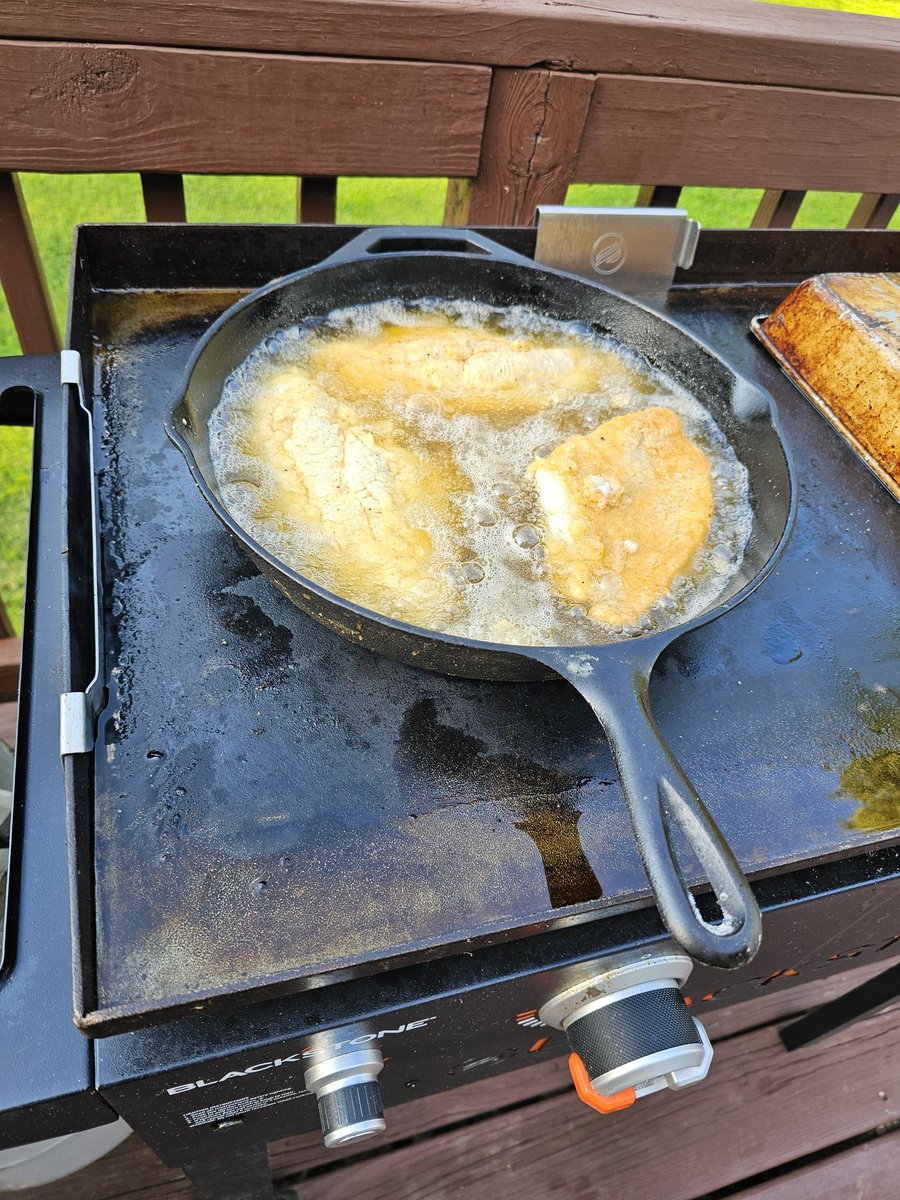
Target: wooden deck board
[[130, 1172], [760, 1109], [546, 1140], [870, 1171], [433, 1113]]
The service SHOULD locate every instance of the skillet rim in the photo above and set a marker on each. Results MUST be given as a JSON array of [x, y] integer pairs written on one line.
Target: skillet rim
[[653, 642]]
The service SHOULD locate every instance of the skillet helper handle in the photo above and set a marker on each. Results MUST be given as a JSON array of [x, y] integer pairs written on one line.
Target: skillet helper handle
[[661, 799], [423, 239]]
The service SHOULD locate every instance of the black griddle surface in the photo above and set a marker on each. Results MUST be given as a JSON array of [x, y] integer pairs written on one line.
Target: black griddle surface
[[273, 804]]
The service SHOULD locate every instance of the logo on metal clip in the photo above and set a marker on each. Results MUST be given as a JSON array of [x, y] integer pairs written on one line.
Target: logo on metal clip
[[608, 253]]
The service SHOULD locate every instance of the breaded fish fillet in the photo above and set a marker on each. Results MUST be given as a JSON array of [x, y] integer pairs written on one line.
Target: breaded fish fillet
[[625, 510], [460, 370], [367, 502]]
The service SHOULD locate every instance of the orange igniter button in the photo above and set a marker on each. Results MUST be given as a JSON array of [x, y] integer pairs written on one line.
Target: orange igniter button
[[602, 1104]]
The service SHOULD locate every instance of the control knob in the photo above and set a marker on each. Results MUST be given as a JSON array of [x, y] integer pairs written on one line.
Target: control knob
[[630, 1031], [345, 1084]]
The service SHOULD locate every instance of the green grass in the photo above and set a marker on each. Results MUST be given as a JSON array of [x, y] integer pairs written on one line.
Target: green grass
[[58, 202], [15, 477]]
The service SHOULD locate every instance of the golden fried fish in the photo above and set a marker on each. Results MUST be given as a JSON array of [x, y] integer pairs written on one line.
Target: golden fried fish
[[366, 500], [625, 509], [460, 370]]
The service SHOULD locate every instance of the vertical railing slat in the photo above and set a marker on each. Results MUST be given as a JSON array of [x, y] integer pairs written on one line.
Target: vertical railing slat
[[874, 210], [22, 274], [650, 196], [6, 631], [317, 200], [163, 197], [456, 201], [777, 209]]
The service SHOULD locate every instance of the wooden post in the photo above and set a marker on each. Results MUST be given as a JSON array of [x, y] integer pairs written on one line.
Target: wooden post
[[777, 209], [317, 199], [874, 210], [22, 275], [532, 135], [163, 197]]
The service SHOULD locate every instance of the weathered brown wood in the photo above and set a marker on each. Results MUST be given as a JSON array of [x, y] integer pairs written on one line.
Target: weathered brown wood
[[874, 210], [10, 657], [760, 1108], [8, 713], [317, 200], [432, 1113], [6, 625], [531, 137], [777, 1002], [22, 275], [703, 39], [777, 209], [289, 1156], [132, 1168], [866, 1172], [692, 132], [102, 108], [163, 197], [657, 197], [130, 1171]]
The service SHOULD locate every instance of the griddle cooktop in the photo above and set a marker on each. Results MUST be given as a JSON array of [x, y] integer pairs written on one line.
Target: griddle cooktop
[[275, 807]]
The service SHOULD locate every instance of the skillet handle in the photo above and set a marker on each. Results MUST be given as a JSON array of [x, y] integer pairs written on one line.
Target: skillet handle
[[660, 798], [423, 239]]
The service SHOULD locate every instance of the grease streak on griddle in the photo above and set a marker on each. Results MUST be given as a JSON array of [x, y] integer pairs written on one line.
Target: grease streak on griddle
[[448, 767]]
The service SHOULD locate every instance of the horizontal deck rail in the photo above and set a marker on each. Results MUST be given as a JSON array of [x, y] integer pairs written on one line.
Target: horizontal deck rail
[[511, 100]]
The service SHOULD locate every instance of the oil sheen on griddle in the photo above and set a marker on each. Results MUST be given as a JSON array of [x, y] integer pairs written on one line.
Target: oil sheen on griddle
[[384, 452]]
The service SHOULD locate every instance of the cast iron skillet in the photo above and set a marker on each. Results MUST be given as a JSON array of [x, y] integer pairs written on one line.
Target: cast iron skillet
[[614, 678]]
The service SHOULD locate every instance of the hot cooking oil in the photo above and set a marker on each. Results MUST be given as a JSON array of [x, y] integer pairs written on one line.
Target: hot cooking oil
[[383, 452]]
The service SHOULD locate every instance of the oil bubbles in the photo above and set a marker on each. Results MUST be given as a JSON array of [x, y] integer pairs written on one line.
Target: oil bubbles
[[527, 536]]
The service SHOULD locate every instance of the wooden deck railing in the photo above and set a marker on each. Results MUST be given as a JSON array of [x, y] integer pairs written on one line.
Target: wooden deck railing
[[512, 100]]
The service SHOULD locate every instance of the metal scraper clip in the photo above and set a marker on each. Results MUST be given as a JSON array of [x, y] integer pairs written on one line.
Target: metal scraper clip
[[634, 250]]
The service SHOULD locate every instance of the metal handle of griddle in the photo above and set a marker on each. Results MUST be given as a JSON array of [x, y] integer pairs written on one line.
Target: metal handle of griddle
[[423, 239], [78, 710], [24, 380], [660, 800]]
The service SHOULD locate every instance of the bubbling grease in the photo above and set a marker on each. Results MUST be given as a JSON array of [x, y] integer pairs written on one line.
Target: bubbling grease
[[468, 557]]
